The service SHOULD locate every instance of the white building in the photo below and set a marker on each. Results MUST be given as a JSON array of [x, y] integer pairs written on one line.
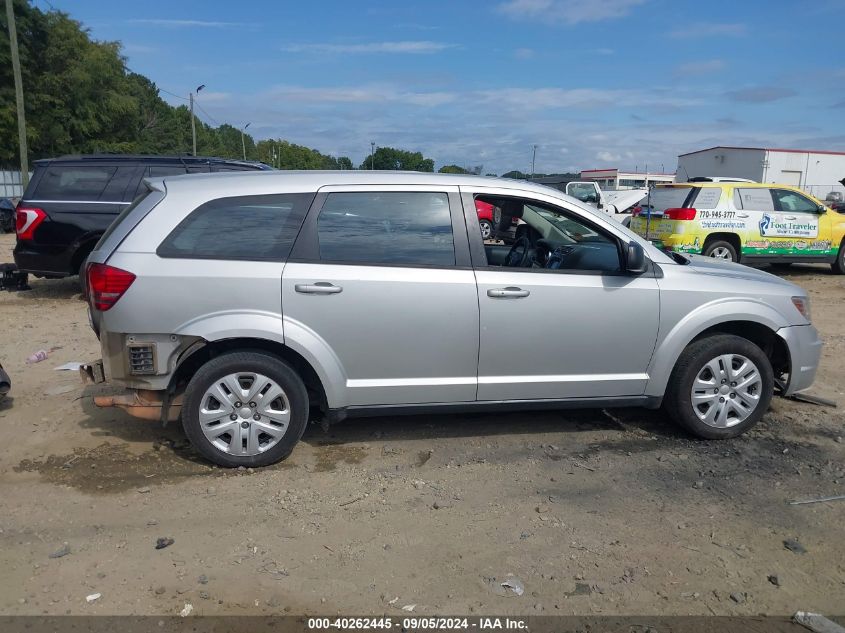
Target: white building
[[816, 171], [615, 179]]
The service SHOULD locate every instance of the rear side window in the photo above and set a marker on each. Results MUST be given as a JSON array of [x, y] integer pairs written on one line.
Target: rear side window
[[753, 199], [69, 182], [390, 228], [254, 228]]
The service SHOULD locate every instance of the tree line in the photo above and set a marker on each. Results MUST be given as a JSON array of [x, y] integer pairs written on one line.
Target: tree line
[[81, 98]]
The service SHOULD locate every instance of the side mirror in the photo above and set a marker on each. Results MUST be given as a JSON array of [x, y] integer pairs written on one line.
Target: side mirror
[[822, 209], [635, 260]]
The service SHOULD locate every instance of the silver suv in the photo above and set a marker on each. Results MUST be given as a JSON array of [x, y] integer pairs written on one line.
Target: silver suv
[[250, 303]]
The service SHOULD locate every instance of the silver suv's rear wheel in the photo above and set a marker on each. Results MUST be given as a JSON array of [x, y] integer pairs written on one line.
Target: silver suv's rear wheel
[[721, 387], [245, 409]]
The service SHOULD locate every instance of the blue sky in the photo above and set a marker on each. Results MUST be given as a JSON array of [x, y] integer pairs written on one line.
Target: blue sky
[[593, 83]]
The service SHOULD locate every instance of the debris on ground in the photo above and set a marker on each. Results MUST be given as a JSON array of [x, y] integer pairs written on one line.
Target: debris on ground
[[64, 550], [773, 578], [93, 597], [738, 597], [514, 584], [186, 611], [810, 399], [164, 541], [36, 357], [817, 622], [794, 546], [203, 579], [144, 490], [819, 500], [409, 607], [72, 366]]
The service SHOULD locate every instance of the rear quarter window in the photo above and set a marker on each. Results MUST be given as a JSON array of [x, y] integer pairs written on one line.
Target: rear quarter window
[[258, 228], [707, 198], [73, 182], [662, 198]]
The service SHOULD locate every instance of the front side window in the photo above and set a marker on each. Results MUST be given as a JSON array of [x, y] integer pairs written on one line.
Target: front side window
[[390, 228], [792, 201], [550, 238], [82, 182], [244, 227]]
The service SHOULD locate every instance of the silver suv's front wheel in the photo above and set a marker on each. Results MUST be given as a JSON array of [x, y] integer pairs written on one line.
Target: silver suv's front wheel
[[245, 409], [721, 386]]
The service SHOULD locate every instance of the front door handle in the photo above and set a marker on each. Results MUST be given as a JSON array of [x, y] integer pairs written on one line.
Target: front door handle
[[510, 292], [319, 288], [789, 217]]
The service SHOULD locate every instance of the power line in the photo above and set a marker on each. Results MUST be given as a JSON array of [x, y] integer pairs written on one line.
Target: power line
[[210, 118], [172, 94]]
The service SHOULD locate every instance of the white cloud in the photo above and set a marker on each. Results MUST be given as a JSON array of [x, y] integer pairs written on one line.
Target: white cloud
[[607, 157], [568, 11], [413, 47], [523, 53], [700, 67], [708, 29], [190, 23]]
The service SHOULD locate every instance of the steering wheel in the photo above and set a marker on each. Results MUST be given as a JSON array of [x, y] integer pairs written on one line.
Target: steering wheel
[[518, 255]]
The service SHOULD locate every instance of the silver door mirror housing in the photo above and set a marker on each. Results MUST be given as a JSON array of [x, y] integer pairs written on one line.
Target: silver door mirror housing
[[635, 260]]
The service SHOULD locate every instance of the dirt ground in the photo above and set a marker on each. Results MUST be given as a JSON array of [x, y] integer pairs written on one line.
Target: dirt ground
[[594, 512]]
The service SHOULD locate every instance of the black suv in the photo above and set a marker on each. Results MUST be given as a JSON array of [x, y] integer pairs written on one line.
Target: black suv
[[71, 201]]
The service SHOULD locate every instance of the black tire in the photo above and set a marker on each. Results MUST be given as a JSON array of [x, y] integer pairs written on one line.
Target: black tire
[[678, 400], [838, 266], [710, 247], [246, 361], [486, 227], [83, 282]]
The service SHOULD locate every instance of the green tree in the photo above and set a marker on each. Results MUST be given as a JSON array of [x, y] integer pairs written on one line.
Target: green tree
[[452, 169], [389, 158]]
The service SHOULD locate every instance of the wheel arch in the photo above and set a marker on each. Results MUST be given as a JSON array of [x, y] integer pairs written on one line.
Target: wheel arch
[[732, 238], [200, 353], [753, 321]]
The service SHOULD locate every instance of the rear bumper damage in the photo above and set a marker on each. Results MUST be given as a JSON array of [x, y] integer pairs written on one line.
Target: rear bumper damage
[[145, 404]]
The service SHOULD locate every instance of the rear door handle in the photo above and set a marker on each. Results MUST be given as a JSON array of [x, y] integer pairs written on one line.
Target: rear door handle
[[319, 288], [510, 292], [742, 215]]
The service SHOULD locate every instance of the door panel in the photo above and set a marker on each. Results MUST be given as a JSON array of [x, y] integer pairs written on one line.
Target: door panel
[[381, 275], [402, 335], [573, 336]]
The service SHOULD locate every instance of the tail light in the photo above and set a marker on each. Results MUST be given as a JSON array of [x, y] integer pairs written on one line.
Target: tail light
[[107, 284], [27, 219], [679, 214]]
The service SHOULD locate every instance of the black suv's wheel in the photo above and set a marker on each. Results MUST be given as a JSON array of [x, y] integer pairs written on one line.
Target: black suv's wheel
[[720, 387], [245, 409], [721, 249], [838, 266]]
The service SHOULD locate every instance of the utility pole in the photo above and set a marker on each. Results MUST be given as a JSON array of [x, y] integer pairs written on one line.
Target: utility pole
[[193, 122], [533, 158], [372, 155], [243, 142], [16, 70]]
